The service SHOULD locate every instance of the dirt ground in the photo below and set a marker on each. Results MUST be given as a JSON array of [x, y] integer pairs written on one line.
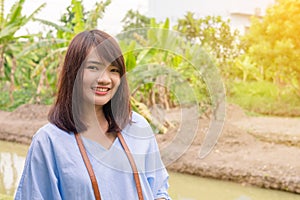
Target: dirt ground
[[260, 151]]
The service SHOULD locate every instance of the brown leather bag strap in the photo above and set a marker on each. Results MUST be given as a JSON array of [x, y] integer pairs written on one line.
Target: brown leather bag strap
[[91, 171], [88, 166], [133, 166]]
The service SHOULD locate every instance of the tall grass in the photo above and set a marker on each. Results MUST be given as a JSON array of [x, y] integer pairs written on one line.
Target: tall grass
[[264, 98]]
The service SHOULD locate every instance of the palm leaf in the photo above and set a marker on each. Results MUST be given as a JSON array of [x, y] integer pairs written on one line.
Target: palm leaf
[[54, 54], [54, 25], [8, 31], [1, 13], [40, 44], [145, 55], [30, 17], [145, 112], [77, 9], [96, 14], [15, 12], [15, 20], [25, 36]]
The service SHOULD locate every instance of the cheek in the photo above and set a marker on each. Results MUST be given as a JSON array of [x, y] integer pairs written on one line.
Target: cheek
[[89, 78], [85, 78], [117, 81]]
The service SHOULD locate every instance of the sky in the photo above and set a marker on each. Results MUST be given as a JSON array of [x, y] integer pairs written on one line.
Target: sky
[[115, 12], [55, 8]]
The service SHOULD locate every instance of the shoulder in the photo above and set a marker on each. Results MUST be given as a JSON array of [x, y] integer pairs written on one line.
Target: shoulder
[[50, 141], [139, 126], [49, 132], [139, 120], [139, 135]]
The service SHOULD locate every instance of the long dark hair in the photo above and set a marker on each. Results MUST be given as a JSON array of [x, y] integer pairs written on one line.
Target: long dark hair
[[66, 112]]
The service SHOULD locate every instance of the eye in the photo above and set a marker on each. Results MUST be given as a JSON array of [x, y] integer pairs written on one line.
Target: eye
[[115, 69], [92, 67]]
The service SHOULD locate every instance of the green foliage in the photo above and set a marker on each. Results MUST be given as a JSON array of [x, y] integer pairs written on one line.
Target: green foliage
[[189, 26], [266, 79], [134, 20], [50, 49], [21, 97], [76, 19], [209, 33], [163, 58], [264, 97], [274, 46], [10, 24], [96, 14], [11, 46], [77, 10], [13, 22], [160, 61], [244, 69], [30, 67], [212, 33]]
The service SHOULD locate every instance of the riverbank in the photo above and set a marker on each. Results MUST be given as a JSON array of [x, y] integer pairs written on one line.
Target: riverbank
[[260, 151]]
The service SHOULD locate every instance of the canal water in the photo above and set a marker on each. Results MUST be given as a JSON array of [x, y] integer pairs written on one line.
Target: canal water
[[182, 186]]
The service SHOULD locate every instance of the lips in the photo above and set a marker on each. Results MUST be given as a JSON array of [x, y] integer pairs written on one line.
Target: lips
[[101, 90]]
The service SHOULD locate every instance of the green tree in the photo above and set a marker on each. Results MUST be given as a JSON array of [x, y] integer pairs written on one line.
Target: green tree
[[10, 44], [162, 70], [30, 63], [134, 20], [273, 44], [77, 19], [54, 46], [212, 33]]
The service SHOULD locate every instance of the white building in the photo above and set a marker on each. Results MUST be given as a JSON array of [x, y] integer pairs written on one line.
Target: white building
[[238, 11]]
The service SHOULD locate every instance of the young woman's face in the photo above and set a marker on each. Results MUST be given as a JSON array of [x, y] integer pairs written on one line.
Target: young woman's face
[[100, 80]]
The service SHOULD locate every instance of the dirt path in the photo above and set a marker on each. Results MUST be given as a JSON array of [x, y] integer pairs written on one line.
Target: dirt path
[[261, 151]]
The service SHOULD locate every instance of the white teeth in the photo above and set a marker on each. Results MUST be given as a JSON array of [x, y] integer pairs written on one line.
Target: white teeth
[[102, 89]]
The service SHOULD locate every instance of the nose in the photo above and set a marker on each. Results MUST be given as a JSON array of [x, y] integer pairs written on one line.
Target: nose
[[104, 78]]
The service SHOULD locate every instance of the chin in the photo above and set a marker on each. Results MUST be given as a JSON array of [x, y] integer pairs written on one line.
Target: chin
[[100, 103]]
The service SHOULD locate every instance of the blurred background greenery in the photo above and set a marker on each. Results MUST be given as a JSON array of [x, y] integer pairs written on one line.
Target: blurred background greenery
[[260, 69]]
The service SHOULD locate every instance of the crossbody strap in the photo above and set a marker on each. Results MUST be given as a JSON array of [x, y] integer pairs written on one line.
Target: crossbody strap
[[133, 166], [91, 171], [88, 166]]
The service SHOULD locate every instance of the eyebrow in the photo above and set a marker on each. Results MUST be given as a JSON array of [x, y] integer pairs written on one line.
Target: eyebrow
[[95, 62]]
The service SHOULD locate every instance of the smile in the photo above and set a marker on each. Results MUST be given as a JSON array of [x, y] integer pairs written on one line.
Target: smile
[[101, 90]]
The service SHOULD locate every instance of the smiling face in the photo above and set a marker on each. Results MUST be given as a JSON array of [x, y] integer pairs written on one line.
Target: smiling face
[[100, 80]]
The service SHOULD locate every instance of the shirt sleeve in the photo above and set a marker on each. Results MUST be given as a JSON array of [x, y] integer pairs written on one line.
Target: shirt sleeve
[[157, 175], [39, 179]]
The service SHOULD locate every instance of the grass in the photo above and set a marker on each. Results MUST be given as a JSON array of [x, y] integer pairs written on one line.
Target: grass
[[20, 97], [256, 98], [264, 98]]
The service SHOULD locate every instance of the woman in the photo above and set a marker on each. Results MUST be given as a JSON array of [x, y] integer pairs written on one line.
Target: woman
[[92, 108]]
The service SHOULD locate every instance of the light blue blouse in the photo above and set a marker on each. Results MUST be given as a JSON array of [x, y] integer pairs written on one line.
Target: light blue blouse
[[54, 168]]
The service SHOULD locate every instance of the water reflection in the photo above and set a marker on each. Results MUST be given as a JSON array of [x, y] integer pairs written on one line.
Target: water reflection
[[182, 186], [12, 159], [188, 187]]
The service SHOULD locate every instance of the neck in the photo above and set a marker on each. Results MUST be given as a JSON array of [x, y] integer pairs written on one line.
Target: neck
[[95, 119], [97, 127]]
